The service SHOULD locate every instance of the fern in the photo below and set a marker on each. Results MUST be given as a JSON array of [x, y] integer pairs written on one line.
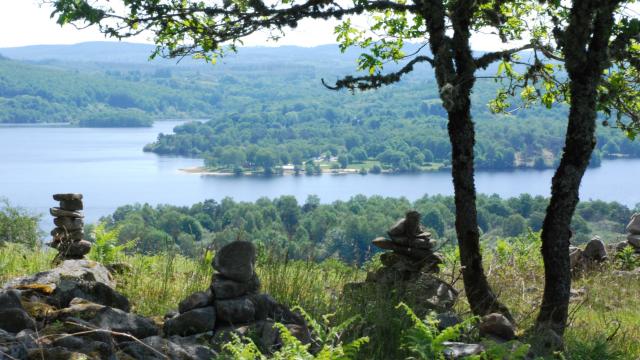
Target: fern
[[106, 248], [423, 340]]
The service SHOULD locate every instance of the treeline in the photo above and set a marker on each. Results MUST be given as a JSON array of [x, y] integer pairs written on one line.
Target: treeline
[[342, 229]]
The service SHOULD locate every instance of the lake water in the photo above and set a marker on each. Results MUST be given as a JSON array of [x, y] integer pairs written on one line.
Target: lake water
[[109, 167]]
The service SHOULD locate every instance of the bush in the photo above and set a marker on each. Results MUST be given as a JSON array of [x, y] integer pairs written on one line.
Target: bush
[[18, 226]]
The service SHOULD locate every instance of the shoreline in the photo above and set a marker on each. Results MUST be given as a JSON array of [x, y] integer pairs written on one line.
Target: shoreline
[[200, 170]]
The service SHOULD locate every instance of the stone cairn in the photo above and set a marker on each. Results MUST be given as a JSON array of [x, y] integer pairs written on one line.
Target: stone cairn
[[408, 270], [69, 232], [233, 301], [411, 246]]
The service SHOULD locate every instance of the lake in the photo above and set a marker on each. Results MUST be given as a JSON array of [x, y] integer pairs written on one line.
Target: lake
[[109, 167]]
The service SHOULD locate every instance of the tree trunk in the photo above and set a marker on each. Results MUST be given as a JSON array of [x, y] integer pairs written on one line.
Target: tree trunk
[[586, 56]]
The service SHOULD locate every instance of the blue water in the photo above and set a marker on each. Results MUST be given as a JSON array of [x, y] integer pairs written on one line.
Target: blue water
[[109, 167]]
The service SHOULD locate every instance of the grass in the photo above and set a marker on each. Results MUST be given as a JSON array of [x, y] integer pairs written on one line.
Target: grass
[[605, 319]]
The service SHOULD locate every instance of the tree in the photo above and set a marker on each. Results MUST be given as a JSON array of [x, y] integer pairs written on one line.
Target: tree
[[207, 30]]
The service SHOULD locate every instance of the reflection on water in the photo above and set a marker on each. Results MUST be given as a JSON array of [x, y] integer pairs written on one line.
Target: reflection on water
[[109, 167]]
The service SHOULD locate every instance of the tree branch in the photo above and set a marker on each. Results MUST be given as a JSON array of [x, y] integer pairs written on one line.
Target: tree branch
[[487, 59], [369, 82]]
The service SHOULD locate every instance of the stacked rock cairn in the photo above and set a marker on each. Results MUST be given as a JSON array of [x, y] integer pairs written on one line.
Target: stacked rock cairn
[[408, 270], [633, 239], [69, 232], [410, 244], [233, 299]]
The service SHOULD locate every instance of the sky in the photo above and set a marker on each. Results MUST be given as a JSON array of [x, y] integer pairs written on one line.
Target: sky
[[25, 22]]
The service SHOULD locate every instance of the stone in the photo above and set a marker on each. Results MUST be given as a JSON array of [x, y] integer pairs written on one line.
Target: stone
[[11, 347], [434, 293], [92, 291], [196, 300], [235, 311], [575, 257], [223, 288], [10, 299], [71, 205], [15, 320], [57, 353], [85, 346], [267, 308], [71, 235], [407, 227], [236, 260], [447, 319], [412, 252], [120, 321], [619, 246], [63, 197], [158, 348], [497, 325], [192, 322], [86, 270], [74, 250], [57, 212], [458, 350], [634, 240], [634, 225], [595, 250], [70, 224]]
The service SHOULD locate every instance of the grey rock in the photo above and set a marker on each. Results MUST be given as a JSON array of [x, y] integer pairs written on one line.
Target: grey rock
[[11, 347], [497, 325], [85, 346], [223, 288], [56, 353], [634, 224], [634, 240], [10, 299], [15, 320], [158, 348], [74, 250], [120, 321], [575, 257], [69, 196], [196, 300], [267, 308], [235, 311], [595, 250], [71, 205], [619, 246], [95, 292], [412, 252], [65, 234], [70, 224], [86, 270], [58, 212], [236, 260], [458, 350], [192, 322], [26, 337], [447, 319]]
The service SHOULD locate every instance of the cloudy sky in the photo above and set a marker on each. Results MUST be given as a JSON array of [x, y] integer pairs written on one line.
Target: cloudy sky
[[24, 22]]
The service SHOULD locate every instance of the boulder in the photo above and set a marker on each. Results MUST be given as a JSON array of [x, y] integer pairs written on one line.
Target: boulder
[[15, 320], [86, 270], [95, 292], [634, 225], [634, 240], [236, 261], [196, 300], [235, 311], [431, 293], [223, 288], [447, 319], [120, 321], [11, 347], [10, 299], [595, 250], [58, 212], [85, 346], [63, 197], [458, 350], [157, 348], [575, 257], [57, 353], [497, 325], [71, 205], [619, 246], [192, 322]]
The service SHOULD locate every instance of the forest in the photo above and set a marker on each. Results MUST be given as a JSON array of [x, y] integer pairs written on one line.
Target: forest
[[343, 229]]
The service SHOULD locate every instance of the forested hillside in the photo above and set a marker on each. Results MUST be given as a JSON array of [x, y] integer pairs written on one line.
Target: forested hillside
[[343, 229]]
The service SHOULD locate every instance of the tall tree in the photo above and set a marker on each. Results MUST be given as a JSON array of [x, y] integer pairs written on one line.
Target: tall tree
[[208, 29]]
